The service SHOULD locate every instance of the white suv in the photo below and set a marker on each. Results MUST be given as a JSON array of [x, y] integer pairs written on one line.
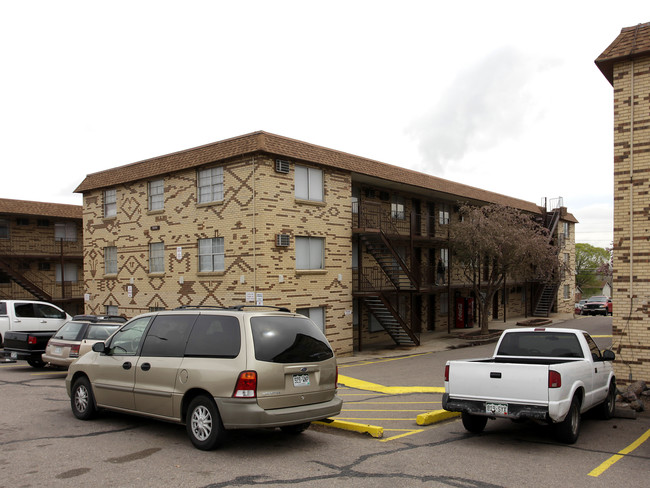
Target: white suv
[[213, 369]]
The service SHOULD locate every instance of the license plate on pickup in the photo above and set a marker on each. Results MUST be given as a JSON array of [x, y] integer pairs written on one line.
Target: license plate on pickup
[[496, 408], [301, 380], [14, 355]]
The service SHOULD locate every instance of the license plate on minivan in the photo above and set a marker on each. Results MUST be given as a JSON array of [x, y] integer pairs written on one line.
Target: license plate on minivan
[[497, 408], [301, 380]]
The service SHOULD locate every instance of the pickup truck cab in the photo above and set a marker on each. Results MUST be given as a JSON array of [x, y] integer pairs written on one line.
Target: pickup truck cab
[[26, 326], [547, 375]]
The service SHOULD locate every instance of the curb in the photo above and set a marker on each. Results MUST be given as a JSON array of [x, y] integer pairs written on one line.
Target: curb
[[435, 416], [374, 430]]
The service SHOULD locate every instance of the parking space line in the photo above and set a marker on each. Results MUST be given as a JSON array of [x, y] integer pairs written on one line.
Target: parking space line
[[49, 372], [384, 360], [620, 455], [407, 433], [395, 390]]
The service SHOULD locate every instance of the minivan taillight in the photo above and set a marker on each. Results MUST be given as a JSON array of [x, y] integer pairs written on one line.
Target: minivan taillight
[[446, 372], [246, 385], [74, 350], [554, 379]]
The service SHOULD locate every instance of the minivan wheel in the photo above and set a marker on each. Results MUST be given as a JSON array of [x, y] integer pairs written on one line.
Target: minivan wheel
[[203, 424], [82, 400], [295, 429]]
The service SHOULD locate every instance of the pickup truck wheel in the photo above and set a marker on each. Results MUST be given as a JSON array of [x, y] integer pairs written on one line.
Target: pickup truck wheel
[[36, 363], [606, 409], [474, 423], [568, 430], [82, 400], [203, 424]]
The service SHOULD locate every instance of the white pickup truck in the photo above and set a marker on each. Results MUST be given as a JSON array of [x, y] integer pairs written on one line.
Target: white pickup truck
[[549, 375]]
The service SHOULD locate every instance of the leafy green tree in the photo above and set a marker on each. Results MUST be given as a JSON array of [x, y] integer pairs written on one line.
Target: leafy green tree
[[592, 265], [493, 243]]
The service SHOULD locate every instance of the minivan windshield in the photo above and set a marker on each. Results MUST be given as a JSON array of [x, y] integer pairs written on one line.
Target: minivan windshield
[[285, 339]]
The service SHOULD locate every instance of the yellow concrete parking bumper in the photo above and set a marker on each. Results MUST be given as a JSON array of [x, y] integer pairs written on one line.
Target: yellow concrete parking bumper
[[435, 416], [373, 430]]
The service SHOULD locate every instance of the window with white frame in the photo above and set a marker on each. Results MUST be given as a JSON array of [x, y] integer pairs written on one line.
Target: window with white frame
[[565, 229], [210, 185], [110, 203], [444, 257], [316, 314], [211, 254], [355, 200], [70, 272], [443, 213], [111, 309], [567, 292], [309, 183], [65, 231], [4, 229], [156, 194], [110, 260], [157, 257], [397, 207], [310, 253]]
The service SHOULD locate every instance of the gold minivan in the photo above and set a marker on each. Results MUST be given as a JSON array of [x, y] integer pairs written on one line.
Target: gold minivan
[[213, 369]]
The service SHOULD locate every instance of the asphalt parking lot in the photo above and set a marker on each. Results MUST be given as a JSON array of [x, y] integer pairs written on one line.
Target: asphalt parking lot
[[44, 445]]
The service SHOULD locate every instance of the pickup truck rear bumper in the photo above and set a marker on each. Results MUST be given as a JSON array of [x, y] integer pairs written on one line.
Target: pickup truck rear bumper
[[477, 407], [22, 354]]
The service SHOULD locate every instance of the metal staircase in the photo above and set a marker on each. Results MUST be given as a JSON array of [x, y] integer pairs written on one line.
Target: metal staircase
[[546, 300], [24, 282], [391, 321], [390, 261]]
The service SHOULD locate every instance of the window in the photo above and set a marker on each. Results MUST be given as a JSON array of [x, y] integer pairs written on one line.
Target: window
[[70, 272], [443, 214], [65, 231], [111, 309], [211, 254], [355, 200], [4, 229], [309, 183], [22, 221], [397, 207], [110, 203], [566, 292], [43, 223], [167, 336], [309, 253], [126, 341], [316, 314], [110, 260], [157, 257], [444, 257], [288, 340], [444, 304], [156, 194], [210, 185], [44, 266], [214, 336], [565, 229]]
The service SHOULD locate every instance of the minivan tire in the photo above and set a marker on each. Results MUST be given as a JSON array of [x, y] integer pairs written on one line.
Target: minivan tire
[[82, 399], [203, 423]]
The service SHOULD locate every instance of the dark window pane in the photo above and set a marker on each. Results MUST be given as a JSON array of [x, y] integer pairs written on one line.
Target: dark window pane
[[288, 340], [167, 335], [215, 336], [24, 310], [71, 331]]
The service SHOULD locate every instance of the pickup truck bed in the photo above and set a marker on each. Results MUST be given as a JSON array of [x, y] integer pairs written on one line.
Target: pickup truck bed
[[28, 346]]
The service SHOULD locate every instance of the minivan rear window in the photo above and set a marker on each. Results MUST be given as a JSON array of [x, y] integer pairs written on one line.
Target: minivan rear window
[[214, 336], [288, 340]]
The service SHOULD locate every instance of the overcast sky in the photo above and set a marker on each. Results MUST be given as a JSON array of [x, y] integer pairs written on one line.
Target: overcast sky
[[500, 95]]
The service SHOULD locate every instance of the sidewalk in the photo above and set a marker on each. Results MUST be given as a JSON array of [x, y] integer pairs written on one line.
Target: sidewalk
[[436, 341]]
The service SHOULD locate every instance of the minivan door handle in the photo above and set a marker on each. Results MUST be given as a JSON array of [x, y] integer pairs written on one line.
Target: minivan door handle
[[145, 367], [126, 365]]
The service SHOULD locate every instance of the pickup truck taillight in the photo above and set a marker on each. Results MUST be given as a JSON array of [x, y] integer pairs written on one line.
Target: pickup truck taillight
[[446, 372], [31, 340], [554, 379]]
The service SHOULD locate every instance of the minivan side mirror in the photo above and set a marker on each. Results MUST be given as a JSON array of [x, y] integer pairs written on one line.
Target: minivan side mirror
[[99, 347], [608, 355]]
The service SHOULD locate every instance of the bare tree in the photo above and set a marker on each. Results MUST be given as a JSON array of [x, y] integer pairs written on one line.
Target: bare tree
[[494, 243]]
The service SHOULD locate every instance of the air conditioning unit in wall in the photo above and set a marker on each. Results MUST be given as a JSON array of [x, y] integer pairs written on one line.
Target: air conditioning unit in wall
[[282, 240], [281, 166]]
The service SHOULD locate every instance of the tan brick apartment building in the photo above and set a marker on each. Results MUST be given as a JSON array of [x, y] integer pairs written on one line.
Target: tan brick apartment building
[[626, 65], [260, 218], [41, 253]]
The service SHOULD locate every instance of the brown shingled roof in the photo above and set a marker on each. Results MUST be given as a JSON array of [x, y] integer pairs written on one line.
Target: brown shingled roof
[[264, 142], [40, 209], [631, 42]]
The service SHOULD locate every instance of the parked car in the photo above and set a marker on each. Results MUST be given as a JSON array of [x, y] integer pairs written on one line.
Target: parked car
[[598, 305], [77, 337], [212, 369], [579, 305]]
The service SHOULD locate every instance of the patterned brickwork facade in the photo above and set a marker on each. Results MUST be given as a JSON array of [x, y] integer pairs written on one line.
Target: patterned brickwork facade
[[626, 64]]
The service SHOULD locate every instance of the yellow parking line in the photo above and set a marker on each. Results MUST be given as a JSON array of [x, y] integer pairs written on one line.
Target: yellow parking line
[[410, 432], [377, 361], [377, 410], [394, 390], [49, 372], [616, 457], [410, 419]]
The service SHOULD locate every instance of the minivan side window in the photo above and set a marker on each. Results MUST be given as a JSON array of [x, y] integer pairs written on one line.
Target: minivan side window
[[288, 340], [126, 341], [215, 336], [167, 336]]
